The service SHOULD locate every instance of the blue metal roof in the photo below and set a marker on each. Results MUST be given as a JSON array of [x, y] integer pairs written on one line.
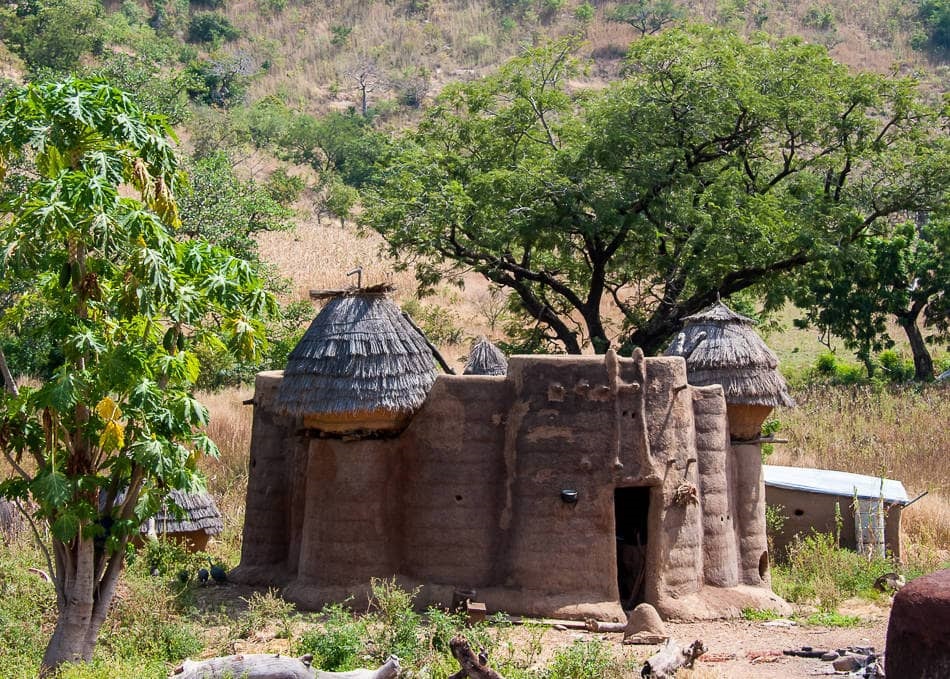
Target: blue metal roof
[[829, 482]]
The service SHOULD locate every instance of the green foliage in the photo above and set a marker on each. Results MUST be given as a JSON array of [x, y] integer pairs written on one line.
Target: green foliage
[[647, 16], [631, 198], [901, 273], [584, 660], [54, 34], [820, 16], [340, 34], [227, 210], [126, 303], [759, 614], [220, 81], [833, 619], [338, 644], [156, 90], [397, 634], [584, 13], [210, 27], [439, 324], [819, 572], [340, 199], [936, 17]]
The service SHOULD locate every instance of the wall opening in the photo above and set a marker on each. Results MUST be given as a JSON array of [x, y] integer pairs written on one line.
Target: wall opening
[[631, 510]]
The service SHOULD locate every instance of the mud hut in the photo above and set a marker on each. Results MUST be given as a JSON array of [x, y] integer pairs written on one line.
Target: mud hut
[[485, 359], [360, 369], [569, 486], [189, 518]]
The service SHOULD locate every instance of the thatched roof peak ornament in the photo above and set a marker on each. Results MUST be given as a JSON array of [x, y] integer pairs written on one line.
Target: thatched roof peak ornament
[[722, 347], [485, 359], [361, 367]]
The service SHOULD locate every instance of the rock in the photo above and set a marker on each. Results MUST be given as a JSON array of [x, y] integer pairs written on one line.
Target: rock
[[848, 663], [830, 655], [780, 622], [918, 634], [644, 626]]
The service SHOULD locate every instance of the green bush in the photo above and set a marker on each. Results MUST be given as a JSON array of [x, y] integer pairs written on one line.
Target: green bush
[[584, 660], [337, 645], [398, 631], [210, 27], [818, 571]]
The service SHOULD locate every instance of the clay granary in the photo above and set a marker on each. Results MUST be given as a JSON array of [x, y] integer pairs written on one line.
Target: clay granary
[[568, 486]]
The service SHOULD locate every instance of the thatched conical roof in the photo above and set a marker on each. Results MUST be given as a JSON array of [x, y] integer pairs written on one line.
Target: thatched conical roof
[[359, 356], [722, 347], [199, 513], [485, 359]]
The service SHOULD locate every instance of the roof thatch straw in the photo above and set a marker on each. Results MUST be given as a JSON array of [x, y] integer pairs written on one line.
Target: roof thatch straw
[[183, 512], [721, 347], [360, 355], [485, 359]]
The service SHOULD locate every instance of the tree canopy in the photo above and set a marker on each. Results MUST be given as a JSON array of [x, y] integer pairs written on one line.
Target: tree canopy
[[88, 225], [714, 165]]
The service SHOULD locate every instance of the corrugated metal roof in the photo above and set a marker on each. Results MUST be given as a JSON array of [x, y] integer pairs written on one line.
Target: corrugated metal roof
[[830, 482]]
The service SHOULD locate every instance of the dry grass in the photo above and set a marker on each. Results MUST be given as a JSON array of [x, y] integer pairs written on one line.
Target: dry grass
[[899, 433], [446, 40]]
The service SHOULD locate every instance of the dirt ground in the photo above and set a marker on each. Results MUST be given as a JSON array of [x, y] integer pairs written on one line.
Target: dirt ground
[[736, 649]]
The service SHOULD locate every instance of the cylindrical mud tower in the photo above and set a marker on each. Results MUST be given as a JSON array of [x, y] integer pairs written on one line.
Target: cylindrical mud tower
[[721, 347]]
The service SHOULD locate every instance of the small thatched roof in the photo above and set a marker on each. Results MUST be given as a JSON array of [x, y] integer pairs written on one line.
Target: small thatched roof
[[199, 514], [485, 359], [360, 355], [722, 347]]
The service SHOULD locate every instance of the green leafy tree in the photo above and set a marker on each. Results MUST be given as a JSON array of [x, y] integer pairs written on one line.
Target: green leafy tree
[[226, 210], [936, 17], [210, 27], [647, 16], [54, 34], [902, 275], [88, 233], [715, 165]]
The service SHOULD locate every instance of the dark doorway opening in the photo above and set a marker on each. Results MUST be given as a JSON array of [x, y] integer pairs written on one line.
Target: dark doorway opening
[[631, 509]]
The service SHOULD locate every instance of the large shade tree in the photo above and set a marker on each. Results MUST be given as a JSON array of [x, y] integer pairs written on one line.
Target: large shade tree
[[715, 165], [902, 275], [88, 245]]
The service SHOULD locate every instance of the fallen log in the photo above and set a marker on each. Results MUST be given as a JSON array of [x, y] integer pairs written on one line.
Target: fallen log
[[602, 626], [267, 666], [472, 667], [670, 658]]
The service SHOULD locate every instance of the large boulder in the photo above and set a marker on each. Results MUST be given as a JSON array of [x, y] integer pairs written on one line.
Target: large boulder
[[918, 634]]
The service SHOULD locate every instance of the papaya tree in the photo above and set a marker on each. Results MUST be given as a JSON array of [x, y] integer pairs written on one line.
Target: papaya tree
[[716, 164], [88, 226]]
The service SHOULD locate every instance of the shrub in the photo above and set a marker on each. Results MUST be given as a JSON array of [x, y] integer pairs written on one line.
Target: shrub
[[584, 13], [821, 17], [820, 572], [398, 629], [210, 27], [584, 660], [337, 644]]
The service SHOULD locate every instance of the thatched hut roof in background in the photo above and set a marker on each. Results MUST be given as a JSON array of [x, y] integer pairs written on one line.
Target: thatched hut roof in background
[[485, 359], [360, 355], [722, 347], [200, 513]]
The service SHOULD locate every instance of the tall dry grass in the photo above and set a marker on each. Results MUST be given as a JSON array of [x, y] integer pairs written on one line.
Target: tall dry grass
[[897, 432]]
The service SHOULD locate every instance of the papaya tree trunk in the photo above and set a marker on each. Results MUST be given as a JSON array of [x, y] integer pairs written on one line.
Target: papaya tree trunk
[[83, 601], [75, 602]]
